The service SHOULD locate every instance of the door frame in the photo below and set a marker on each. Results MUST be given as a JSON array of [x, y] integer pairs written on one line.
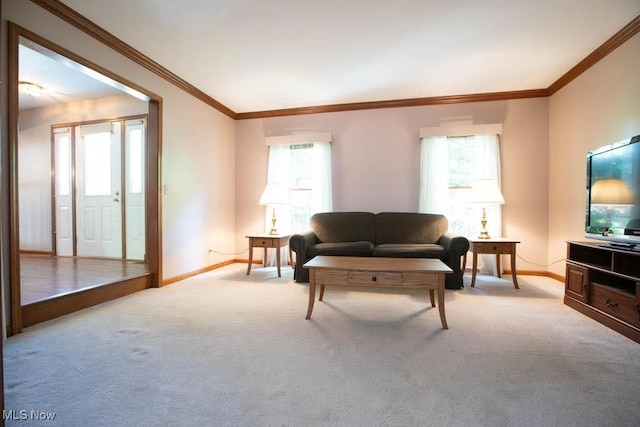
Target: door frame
[[153, 226]]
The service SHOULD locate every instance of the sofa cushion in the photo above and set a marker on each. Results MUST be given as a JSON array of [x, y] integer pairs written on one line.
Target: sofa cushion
[[339, 227], [401, 227], [410, 250], [341, 249]]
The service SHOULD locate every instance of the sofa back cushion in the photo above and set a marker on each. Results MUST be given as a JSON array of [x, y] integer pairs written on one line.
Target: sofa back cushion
[[338, 227], [409, 227]]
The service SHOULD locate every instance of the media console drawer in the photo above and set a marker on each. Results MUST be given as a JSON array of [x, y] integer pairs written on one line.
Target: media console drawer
[[618, 304]]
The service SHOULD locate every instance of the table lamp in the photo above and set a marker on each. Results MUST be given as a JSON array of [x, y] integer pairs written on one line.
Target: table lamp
[[273, 194], [486, 192]]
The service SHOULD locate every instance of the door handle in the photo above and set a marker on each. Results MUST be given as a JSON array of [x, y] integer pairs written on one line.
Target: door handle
[[117, 197]]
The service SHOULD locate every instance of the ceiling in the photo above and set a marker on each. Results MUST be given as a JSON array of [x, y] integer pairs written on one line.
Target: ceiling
[[258, 55], [60, 83]]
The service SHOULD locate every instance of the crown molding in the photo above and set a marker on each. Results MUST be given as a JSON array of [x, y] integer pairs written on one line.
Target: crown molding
[[628, 31], [74, 18], [413, 102]]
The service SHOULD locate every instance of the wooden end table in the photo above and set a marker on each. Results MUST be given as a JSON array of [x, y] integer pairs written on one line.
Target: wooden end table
[[421, 273], [495, 246], [266, 241]]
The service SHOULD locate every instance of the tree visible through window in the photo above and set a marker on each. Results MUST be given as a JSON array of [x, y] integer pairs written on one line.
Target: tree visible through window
[[463, 216], [300, 185]]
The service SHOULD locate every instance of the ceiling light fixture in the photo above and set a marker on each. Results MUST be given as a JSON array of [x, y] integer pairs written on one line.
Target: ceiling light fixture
[[32, 89]]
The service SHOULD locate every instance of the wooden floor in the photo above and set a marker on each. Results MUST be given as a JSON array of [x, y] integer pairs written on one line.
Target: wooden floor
[[54, 286]]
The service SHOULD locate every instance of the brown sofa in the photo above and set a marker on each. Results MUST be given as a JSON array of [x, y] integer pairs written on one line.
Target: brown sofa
[[387, 234]]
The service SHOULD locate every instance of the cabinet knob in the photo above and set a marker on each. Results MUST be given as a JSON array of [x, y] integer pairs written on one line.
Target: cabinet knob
[[636, 307], [374, 279], [611, 303]]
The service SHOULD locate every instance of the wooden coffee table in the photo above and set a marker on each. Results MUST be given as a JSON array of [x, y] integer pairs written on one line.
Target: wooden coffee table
[[378, 272]]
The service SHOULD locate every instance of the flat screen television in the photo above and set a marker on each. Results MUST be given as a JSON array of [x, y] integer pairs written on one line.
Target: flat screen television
[[613, 194]]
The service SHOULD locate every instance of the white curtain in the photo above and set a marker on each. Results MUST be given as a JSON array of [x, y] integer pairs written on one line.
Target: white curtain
[[434, 175], [322, 194], [278, 171], [434, 182]]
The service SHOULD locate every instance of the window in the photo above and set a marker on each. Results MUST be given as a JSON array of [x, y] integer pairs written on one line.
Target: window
[[300, 185], [305, 169], [449, 166]]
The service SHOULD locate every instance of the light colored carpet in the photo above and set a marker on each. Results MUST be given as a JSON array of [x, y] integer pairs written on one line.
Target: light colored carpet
[[226, 349]]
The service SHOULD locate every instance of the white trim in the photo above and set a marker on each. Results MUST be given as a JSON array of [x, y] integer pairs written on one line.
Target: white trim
[[303, 138], [462, 130]]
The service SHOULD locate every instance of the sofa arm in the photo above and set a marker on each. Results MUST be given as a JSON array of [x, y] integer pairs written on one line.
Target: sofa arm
[[455, 246], [299, 243]]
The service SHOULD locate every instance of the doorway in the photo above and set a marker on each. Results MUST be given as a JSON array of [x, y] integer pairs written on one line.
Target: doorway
[[144, 205], [98, 181]]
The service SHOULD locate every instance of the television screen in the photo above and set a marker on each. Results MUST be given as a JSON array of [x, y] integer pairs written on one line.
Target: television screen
[[613, 192]]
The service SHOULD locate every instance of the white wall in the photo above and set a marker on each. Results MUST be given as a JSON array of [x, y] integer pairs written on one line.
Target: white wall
[[34, 159], [376, 163], [601, 106], [198, 153]]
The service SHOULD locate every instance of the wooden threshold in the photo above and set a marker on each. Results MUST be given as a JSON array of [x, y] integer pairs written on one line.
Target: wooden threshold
[[47, 309], [55, 286]]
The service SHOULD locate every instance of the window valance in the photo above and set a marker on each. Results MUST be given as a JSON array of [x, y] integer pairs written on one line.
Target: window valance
[[302, 138], [461, 130]]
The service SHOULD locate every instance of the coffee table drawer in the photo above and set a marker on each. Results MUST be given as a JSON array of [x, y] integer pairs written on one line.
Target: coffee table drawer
[[375, 278], [419, 278], [331, 277]]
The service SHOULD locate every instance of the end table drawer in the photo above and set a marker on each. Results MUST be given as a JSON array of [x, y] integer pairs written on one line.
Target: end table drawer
[[491, 248], [375, 277], [265, 243]]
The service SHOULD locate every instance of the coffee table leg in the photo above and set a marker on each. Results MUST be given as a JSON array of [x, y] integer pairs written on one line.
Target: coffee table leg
[[321, 292], [312, 292], [432, 297], [443, 318]]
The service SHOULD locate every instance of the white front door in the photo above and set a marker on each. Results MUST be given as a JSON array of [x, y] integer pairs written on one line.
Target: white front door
[[99, 190]]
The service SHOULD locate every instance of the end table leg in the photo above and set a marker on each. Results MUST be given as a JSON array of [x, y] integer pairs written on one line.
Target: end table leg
[[250, 258], [513, 269], [474, 268], [432, 297], [278, 260], [321, 292]]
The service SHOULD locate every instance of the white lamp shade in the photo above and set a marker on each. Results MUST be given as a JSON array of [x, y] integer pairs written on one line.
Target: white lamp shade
[[611, 192], [486, 192], [274, 194]]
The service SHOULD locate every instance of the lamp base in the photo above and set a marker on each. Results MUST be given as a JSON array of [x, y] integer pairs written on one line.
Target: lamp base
[[273, 230], [484, 234]]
